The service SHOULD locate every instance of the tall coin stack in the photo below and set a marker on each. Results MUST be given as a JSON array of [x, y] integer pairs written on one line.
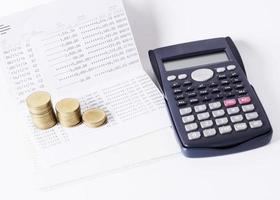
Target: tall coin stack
[[41, 110], [68, 112]]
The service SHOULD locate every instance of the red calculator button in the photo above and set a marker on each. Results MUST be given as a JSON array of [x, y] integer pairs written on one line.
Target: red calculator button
[[244, 100], [229, 102]]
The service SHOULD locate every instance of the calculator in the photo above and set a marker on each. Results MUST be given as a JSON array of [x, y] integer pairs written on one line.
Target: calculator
[[213, 107]]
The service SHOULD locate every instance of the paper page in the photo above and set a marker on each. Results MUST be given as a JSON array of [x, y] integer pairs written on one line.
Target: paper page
[[144, 150], [80, 49]]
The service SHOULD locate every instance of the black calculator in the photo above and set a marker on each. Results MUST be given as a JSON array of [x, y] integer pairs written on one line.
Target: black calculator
[[213, 107]]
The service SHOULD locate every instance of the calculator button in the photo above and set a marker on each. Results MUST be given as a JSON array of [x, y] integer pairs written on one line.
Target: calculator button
[[244, 100], [230, 94], [200, 108], [202, 75], [181, 103], [201, 86], [222, 76], [209, 132], [220, 69], [241, 92], [233, 110], [215, 105], [206, 98], [191, 127], [179, 97], [216, 90], [203, 92], [175, 85], [231, 67], [236, 118], [240, 126], [221, 121], [188, 119], [189, 89], [218, 113], [236, 80], [227, 88], [185, 111], [194, 135], [224, 82], [225, 129], [255, 124], [252, 115], [233, 75], [182, 76], [171, 78], [194, 101], [213, 84], [248, 108], [206, 124], [218, 96], [177, 91], [191, 94], [239, 86], [229, 102], [203, 116], [187, 83]]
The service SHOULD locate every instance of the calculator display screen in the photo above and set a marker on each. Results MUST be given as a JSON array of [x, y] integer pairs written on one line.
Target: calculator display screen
[[196, 61]]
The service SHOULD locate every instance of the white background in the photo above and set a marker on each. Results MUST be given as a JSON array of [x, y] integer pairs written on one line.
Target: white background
[[254, 26]]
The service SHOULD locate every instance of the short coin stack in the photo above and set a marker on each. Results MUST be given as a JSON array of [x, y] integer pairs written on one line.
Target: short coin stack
[[94, 117], [68, 112], [41, 110]]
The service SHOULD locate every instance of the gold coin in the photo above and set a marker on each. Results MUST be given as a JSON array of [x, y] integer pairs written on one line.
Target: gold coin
[[45, 126], [40, 111], [39, 99], [94, 117], [44, 115], [71, 115], [68, 105]]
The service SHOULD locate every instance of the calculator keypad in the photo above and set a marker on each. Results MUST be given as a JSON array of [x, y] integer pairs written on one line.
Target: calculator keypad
[[225, 85], [214, 118], [218, 107]]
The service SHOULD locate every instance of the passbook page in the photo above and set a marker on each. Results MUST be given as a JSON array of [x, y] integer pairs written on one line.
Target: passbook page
[[80, 49]]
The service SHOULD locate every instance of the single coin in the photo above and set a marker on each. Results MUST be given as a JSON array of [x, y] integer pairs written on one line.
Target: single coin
[[39, 99], [68, 105], [69, 115], [40, 111], [94, 117], [44, 115]]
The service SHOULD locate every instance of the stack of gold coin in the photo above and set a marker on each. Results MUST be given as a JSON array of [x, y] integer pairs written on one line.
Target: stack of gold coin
[[41, 110], [68, 112], [94, 117]]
